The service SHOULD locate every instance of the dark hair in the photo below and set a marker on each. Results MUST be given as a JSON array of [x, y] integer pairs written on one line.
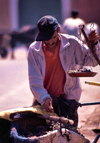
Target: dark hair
[[74, 13]]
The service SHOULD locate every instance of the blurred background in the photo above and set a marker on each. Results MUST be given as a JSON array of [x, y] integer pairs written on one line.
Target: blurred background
[[18, 18], [14, 14]]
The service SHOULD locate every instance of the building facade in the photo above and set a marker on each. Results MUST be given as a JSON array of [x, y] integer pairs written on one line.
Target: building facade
[[17, 13], [14, 14]]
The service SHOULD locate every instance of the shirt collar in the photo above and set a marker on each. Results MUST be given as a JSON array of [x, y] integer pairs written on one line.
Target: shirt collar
[[64, 44]]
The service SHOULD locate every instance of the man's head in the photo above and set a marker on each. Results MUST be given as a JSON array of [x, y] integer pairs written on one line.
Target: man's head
[[75, 13], [47, 26]]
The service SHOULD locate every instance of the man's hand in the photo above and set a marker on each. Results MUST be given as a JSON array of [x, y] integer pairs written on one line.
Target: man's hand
[[93, 37], [48, 105]]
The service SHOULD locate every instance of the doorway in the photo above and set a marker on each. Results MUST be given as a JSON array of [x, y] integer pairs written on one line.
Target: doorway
[[30, 11]]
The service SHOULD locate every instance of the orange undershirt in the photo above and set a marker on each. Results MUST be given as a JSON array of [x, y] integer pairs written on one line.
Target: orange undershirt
[[55, 76]]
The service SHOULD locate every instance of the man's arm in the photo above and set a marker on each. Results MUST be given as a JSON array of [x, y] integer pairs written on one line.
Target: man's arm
[[36, 83], [93, 37], [84, 55]]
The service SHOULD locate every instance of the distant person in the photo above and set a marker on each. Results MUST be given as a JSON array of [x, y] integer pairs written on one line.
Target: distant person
[[71, 25]]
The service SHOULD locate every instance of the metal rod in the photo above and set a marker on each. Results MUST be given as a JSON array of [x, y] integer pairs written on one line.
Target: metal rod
[[91, 103], [96, 139], [54, 118], [91, 46]]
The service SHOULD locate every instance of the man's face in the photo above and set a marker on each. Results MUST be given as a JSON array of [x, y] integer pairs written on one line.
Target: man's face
[[53, 41]]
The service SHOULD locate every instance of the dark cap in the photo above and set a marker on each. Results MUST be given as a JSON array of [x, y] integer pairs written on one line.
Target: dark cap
[[46, 26]]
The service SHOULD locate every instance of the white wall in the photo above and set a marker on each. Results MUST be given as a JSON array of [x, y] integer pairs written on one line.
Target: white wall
[[66, 8], [14, 14]]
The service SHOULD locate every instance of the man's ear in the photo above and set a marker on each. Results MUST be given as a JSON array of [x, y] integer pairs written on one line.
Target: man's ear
[[58, 30]]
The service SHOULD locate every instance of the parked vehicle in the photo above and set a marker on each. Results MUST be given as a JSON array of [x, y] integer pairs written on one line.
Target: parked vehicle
[[25, 36]]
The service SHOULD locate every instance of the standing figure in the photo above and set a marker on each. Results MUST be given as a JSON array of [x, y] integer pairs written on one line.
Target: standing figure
[[71, 25]]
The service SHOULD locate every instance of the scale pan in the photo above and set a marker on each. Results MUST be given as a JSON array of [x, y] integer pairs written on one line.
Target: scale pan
[[74, 73]]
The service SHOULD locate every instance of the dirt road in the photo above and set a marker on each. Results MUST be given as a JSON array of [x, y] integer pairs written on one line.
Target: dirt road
[[89, 116]]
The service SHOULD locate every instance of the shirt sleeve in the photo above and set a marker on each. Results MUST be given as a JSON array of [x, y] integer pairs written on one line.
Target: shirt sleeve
[[84, 56], [36, 78]]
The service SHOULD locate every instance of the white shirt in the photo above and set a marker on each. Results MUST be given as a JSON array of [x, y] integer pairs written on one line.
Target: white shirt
[[72, 52]]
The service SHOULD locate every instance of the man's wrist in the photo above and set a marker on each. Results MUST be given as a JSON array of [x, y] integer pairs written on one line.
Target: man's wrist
[[43, 101], [96, 43]]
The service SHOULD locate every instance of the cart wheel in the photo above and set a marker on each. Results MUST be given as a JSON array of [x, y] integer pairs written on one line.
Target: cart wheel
[[3, 52], [18, 138]]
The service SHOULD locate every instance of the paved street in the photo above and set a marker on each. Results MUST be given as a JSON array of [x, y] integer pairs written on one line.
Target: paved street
[[90, 93], [14, 85]]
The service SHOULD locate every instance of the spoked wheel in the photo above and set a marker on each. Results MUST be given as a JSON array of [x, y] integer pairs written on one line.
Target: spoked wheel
[[3, 52], [96, 131]]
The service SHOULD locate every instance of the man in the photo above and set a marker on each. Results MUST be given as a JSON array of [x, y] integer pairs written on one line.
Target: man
[[49, 59], [71, 25]]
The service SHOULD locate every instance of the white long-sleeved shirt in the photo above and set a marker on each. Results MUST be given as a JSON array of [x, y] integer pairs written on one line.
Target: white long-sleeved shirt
[[71, 26], [72, 52]]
